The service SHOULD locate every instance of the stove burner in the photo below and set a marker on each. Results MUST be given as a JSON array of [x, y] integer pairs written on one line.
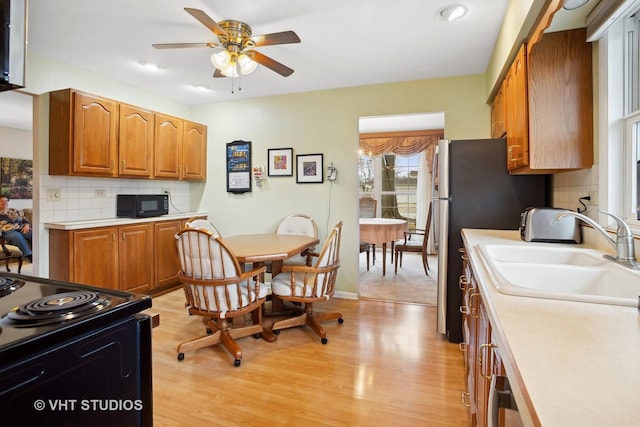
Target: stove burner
[[9, 285], [58, 308]]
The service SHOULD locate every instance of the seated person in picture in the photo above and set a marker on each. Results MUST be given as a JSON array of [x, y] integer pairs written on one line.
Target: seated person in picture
[[16, 229]]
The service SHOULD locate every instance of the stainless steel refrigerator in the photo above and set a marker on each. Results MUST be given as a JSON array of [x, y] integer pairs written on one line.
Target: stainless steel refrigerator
[[472, 188]]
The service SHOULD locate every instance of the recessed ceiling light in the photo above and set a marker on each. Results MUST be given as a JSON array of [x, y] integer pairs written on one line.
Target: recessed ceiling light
[[451, 12], [574, 4], [150, 66]]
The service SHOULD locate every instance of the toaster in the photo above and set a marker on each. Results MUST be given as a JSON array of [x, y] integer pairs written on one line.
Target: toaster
[[540, 225]]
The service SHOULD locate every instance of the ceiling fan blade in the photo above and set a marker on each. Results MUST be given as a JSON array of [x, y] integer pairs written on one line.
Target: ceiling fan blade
[[206, 21], [217, 73], [182, 45], [272, 64], [284, 37]]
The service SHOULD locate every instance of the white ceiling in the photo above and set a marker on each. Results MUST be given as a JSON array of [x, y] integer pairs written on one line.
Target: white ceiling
[[344, 43]]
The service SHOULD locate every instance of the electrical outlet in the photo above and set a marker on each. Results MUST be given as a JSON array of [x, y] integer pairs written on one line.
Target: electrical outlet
[[54, 194], [101, 193]]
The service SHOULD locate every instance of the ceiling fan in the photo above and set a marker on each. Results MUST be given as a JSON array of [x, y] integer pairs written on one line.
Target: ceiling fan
[[237, 55]]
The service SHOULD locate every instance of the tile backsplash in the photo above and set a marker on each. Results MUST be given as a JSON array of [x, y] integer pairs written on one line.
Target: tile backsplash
[[64, 198], [568, 187]]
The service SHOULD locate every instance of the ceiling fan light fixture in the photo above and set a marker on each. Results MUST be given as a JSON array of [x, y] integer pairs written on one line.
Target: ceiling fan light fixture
[[246, 64], [221, 60], [452, 12], [230, 71]]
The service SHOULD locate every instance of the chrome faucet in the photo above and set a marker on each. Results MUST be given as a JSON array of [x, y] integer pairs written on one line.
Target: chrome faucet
[[625, 249]]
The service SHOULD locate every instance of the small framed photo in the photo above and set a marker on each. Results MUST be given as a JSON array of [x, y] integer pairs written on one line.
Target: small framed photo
[[280, 162], [309, 168]]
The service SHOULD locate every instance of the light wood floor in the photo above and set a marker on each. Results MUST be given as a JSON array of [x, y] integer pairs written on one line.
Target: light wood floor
[[385, 365]]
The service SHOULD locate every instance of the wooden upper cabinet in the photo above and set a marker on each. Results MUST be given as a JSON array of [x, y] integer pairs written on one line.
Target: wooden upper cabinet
[[549, 105], [194, 150], [517, 113], [561, 102], [498, 115], [94, 136], [135, 142], [168, 146], [83, 134]]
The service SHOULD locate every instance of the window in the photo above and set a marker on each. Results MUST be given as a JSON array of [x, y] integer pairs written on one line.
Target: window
[[393, 180], [631, 99]]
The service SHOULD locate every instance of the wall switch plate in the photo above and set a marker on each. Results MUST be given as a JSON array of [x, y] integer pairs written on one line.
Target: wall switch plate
[[54, 194]]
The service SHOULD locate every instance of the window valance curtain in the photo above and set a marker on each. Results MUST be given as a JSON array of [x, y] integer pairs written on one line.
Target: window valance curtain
[[402, 143]]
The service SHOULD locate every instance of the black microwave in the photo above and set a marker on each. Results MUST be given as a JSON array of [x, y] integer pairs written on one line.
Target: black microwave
[[142, 205]]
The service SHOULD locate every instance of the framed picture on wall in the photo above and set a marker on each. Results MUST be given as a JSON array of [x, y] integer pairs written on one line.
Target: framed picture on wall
[[280, 162], [16, 178], [309, 169], [239, 167]]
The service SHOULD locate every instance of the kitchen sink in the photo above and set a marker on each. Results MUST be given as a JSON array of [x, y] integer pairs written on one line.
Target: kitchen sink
[[565, 273], [545, 254]]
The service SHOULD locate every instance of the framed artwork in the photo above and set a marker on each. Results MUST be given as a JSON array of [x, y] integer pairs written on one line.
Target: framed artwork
[[239, 167], [280, 162], [309, 168], [16, 178]]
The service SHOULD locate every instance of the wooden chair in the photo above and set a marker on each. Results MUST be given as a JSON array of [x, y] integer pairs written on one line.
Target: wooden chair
[[217, 289], [365, 247], [298, 224], [415, 241], [309, 284], [204, 224], [9, 253], [368, 209]]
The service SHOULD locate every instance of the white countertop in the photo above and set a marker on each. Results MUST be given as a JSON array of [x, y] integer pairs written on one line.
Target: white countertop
[[569, 363], [110, 222]]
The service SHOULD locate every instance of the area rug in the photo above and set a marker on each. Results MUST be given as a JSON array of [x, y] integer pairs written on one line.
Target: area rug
[[410, 285]]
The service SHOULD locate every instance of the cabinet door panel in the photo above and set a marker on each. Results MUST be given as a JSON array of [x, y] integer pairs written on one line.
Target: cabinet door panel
[[135, 245], [167, 146], [94, 135], [517, 113], [135, 142], [194, 152], [96, 257], [166, 258]]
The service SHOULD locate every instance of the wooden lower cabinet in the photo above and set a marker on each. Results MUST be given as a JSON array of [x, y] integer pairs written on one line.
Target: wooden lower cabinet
[[166, 260], [482, 357], [134, 258]]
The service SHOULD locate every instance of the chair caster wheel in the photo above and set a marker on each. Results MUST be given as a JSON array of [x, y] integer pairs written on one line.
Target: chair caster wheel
[[340, 320], [180, 356], [236, 362], [324, 340], [276, 332], [258, 335]]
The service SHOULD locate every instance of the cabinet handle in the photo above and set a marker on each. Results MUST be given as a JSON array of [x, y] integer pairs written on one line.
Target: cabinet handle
[[463, 347], [511, 147], [465, 399], [124, 165], [473, 310], [112, 164], [463, 282], [483, 348]]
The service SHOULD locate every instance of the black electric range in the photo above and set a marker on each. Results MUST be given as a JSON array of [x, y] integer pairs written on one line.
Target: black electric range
[[73, 354]]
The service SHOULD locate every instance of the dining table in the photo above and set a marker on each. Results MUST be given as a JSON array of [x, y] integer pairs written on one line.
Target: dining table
[[380, 231], [259, 249]]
